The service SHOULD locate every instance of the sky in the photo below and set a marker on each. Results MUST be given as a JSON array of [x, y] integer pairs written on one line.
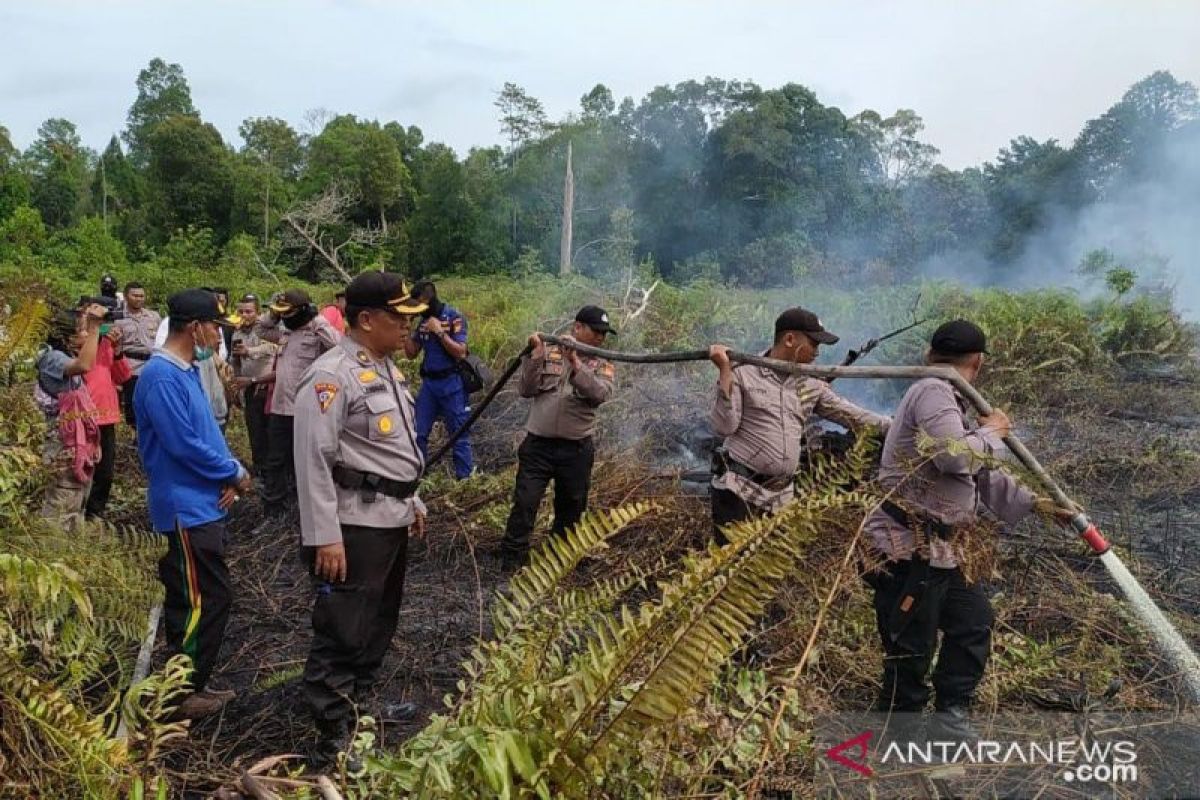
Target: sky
[[979, 73]]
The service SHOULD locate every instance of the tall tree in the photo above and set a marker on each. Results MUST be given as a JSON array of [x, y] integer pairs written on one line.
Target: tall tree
[[14, 186], [272, 157], [162, 93], [116, 186], [1026, 179], [366, 161], [522, 117], [189, 176], [58, 167]]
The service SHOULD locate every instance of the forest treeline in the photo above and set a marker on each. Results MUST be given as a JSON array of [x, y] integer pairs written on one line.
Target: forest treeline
[[704, 180]]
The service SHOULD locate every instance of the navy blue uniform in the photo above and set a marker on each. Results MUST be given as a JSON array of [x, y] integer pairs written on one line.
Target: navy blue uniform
[[442, 393]]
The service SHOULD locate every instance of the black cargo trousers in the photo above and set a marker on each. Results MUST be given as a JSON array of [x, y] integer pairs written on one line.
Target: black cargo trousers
[[354, 622], [567, 462], [963, 614]]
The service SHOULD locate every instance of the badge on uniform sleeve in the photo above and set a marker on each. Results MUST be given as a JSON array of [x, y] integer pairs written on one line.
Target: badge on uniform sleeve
[[607, 370], [456, 325], [325, 394], [385, 424]]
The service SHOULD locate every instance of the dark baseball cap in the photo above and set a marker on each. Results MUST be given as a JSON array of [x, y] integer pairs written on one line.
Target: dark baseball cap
[[805, 321], [290, 302], [959, 337], [196, 305], [382, 290], [595, 318]]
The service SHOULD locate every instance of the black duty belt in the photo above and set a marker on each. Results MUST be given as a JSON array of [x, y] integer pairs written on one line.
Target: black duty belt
[[371, 484], [438, 374], [917, 578], [722, 463]]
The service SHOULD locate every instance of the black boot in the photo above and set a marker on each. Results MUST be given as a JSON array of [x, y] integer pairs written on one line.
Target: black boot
[[952, 723], [334, 738], [513, 560]]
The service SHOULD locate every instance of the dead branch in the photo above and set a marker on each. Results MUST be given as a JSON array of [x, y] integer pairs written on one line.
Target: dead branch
[[310, 222]]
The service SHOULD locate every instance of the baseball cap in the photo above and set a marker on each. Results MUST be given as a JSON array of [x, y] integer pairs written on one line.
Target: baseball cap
[[382, 290], [195, 305], [290, 302], [805, 321], [959, 337], [595, 318]]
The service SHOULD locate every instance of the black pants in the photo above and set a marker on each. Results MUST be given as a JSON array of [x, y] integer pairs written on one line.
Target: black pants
[[198, 595], [280, 475], [727, 507], [102, 479], [354, 621], [254, 404], [540, 460], [127, 401], [949, 604]]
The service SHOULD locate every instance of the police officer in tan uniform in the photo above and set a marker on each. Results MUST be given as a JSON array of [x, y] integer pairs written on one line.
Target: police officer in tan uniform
[[358, 464], [767, 417], [566, 388]]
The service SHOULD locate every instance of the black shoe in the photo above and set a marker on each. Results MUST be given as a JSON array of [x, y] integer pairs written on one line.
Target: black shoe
[[952, 724], [335, 740], [513, 560]]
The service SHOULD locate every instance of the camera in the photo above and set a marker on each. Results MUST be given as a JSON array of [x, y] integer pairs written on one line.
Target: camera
[[110, 303]]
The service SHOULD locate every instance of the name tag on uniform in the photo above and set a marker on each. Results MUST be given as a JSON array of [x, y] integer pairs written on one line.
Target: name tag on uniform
[[374, 387]]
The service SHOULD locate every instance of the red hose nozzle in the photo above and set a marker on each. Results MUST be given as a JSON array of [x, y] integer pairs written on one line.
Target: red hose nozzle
[[1095, 539]]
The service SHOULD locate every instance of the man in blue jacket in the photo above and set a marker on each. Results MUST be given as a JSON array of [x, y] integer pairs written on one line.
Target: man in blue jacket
[[193, 480], [443, 336]]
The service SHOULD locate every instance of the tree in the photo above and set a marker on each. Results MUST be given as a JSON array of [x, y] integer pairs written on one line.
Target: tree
[[162, 93], [597, 104], [14, 186], [190, 177], [442, 226], [1026, 179], [272, 157], [116, 186], [320, 228], [522, 117], [1126, 139], [365, 161], [901, 155], [58, 167]]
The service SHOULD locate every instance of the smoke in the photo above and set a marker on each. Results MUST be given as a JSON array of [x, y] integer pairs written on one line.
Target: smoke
[[1149, 224]]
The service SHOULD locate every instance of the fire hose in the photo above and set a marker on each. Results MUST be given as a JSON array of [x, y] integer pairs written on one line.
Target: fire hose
[[1161, 629]]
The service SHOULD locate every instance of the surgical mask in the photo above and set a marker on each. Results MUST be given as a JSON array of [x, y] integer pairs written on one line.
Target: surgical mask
[[202, 353]]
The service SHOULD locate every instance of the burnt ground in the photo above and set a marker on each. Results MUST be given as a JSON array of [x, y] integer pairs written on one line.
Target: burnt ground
[[1123, 453]]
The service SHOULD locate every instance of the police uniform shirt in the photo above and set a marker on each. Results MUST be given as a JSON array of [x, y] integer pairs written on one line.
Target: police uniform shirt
[[436, 357], [138, 330], [949, 486], [764, 421], [564, 399], [297, 351], [356, 411], [260, 354]]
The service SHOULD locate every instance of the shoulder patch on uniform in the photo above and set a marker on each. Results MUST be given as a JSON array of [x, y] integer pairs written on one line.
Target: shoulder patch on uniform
[[367, 375], [553, 353], [607, 369], [325, 394], [456, 325]]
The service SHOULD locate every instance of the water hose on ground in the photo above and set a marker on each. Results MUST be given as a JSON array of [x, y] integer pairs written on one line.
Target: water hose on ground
[[1164, 633]]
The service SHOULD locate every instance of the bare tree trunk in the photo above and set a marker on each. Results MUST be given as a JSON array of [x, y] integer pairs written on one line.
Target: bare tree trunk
[[568, 216], [267, 213]]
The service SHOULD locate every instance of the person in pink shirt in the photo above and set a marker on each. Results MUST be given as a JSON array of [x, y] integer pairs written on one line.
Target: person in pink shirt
[[109, 371], [335, 314]]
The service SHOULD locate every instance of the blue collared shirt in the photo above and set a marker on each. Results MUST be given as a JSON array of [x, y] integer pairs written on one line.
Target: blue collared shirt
[[183, 452], [436, 357]]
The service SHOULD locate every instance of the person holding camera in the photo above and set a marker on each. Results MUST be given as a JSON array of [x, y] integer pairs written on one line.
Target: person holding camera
[[110, 371], [303, 336], [442, 335], [137, 329], [73, 441]]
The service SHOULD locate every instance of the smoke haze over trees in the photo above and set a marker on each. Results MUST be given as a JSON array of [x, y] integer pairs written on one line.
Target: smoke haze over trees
[[711, 179]]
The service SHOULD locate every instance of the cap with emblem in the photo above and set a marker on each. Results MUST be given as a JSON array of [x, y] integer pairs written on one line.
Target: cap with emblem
[[382, 290], [959, 337], [196, 305], [595, 318], [804, 321], [290, 302]]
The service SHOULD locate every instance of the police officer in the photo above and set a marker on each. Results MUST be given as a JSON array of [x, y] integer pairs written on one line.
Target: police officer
[[764, 416], [566, 388], [919, 588], [443, 336], [304, 336], [358, 461]]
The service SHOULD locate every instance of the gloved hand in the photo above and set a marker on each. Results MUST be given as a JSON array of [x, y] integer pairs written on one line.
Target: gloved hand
[[1047, 507]]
